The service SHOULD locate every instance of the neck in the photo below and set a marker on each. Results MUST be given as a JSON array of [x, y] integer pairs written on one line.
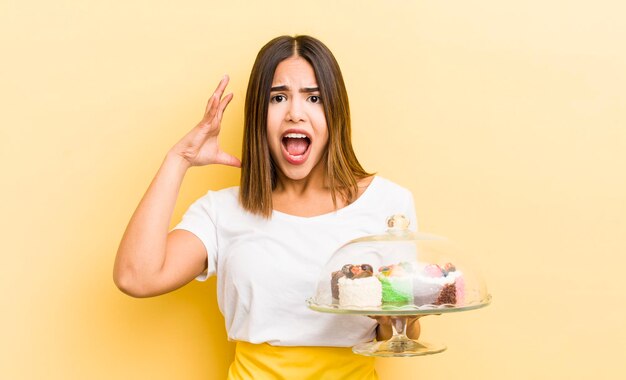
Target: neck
[[314, 182], [306, 197]]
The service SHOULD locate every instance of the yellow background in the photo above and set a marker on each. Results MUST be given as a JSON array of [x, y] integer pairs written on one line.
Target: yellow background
[[505, 119]]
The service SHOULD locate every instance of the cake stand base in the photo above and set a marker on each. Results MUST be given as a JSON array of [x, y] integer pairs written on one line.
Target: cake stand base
[[399, 344], [397, 348]]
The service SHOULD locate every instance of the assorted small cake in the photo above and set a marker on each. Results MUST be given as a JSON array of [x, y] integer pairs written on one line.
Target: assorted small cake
[[355, 285], [434, 285], [397, 283]]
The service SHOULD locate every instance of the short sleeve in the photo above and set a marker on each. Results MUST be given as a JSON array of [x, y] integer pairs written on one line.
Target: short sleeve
[[199, 219]]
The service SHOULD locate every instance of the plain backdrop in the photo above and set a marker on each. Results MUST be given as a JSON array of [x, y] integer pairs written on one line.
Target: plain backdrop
[[505, 119]]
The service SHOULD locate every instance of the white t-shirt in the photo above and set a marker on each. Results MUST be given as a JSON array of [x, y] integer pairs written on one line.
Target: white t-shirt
[[267, 268]]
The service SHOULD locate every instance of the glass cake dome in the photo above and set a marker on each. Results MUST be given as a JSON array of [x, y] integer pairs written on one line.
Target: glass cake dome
[[399, 274]]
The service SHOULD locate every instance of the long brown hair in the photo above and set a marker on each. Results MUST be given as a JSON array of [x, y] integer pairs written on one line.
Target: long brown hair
[[258, 171]]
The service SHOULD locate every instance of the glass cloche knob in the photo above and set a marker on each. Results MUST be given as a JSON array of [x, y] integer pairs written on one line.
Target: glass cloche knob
[[398, 222]]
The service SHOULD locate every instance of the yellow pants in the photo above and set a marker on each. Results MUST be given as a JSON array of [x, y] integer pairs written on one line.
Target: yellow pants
[[263, 361]]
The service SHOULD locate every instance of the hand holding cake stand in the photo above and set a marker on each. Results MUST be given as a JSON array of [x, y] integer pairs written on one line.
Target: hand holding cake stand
[[401, 275]]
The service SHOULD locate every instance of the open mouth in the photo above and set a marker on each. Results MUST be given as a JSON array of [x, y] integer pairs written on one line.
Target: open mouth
[[295, 147]]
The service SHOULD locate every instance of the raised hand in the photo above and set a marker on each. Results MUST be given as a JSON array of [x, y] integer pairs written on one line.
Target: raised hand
[[200, 146]]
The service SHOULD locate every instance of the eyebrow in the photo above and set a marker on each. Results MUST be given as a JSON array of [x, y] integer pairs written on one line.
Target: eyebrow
[[286, 88]]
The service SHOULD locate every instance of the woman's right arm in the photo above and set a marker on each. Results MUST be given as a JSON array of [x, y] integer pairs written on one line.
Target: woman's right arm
[[150, 261]]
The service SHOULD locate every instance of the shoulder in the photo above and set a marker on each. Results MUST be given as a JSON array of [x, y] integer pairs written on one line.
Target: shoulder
[[383, 192], [381, 199], [382, 185], [227, 194], [223, 194], [393, 199], [388, 193], [219, 199]]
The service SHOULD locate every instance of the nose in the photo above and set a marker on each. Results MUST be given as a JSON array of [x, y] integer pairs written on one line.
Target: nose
[[295, 112]]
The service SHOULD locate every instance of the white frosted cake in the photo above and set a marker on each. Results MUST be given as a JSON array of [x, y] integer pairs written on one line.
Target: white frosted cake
[[360, 292], [355, 285]]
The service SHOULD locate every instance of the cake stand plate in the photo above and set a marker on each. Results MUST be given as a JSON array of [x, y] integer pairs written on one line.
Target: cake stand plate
[[399, 345]]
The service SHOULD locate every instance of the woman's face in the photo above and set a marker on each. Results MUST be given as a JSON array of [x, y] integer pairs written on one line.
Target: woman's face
[[296, 125]]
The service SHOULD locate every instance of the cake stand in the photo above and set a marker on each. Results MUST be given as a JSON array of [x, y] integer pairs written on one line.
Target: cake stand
[[399, 345], [414, 269]]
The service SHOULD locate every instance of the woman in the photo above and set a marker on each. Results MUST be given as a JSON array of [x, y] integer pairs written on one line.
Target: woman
[[303, 193]]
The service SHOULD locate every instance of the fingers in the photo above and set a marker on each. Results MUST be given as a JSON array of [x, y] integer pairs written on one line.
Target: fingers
[[382, 319], [213, 117], [222, 106], [226, 159], [222, 85], [209, 105], [216, 100]]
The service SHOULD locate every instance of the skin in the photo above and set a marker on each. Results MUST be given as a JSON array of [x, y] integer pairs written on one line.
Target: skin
[[384, 330], [152, 261]]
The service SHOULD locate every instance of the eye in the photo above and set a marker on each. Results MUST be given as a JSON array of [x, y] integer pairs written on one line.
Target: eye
[[278, 98], [315, 99]]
